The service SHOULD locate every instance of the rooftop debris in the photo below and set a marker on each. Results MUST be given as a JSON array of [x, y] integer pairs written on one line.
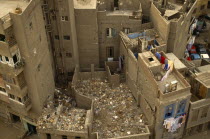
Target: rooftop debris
[[116, 112], [62, 114]]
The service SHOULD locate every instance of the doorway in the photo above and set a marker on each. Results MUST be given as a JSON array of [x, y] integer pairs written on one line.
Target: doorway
[[31, 129]]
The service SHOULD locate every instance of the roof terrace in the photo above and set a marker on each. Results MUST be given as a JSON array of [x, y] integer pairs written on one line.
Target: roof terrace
[[167, 77]]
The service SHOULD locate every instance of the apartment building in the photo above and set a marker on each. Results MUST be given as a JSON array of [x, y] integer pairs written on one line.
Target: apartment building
[[25, 65], [43, 39], [86, 32], [172, 20], [198, 120], [61, 33], [201, 7], [161, 95]]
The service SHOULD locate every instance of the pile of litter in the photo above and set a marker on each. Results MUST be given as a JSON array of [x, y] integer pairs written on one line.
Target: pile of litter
[[61, 114], [116, 112]]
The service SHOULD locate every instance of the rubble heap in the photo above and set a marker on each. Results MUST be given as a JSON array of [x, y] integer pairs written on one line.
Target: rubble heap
[[116, 112], [61, 114]]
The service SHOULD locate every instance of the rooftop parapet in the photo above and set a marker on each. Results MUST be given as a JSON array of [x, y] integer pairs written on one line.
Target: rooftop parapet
[[61, 114], [168, 79], [173, 10]]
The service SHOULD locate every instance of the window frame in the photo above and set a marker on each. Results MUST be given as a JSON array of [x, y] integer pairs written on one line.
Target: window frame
[[66, 37], [181, 106], [167, 109], [108, 55], [64, 18]]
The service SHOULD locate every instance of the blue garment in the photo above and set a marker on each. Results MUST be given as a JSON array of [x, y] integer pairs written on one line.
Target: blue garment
[[149, 47], [156, 43], [136, 55], [158, 55]]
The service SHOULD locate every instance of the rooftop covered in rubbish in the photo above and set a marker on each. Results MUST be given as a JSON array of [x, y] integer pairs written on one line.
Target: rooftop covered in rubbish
[[116, 111], [7, 6], [62, 114]]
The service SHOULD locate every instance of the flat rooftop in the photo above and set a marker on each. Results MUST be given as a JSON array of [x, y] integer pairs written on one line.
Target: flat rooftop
[[62, 114], [172, 77], [203, 68], [116, 111], [85, 4], [159, 73], [204, 78], [7, 6]]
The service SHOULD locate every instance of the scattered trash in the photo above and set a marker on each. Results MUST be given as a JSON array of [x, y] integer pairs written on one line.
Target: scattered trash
[[61, 114], [115, 110]]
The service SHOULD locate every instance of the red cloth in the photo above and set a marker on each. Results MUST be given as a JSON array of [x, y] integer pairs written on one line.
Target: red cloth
[[162, 60], [189, 59]]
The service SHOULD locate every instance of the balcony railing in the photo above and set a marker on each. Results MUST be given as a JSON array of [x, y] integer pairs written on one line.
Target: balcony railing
[[22, 107], [19, 64]]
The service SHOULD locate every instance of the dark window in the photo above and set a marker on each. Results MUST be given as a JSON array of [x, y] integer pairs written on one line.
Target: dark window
[[2, 37], [2, 90], [66, 37], [64, 18], [7, 59], [68, 55], [19, 99], [48, 136], [202, 7], [181, 107], [77, 137], [110, 51], [208, 4], [169, 111], [116, 3], [30, 25], [15, 59], [64, 137], [56, 37], [11, 96], [110, 32]]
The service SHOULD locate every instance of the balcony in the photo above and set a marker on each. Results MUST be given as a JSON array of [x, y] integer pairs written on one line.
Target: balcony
[[14, 70], [4, 97], [20, 107], [4, 49]]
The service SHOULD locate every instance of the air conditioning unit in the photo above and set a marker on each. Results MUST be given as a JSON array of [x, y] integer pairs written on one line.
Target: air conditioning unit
[[174, 85], [167, 88]]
